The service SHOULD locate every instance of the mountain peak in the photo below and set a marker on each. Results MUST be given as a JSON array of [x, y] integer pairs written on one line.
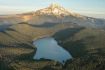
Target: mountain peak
[[54, 9]]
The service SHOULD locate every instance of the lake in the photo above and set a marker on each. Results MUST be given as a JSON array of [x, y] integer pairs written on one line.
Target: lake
[[48, 48]]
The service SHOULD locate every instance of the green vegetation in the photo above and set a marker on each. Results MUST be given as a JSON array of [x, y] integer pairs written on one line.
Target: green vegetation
[[86, 45]]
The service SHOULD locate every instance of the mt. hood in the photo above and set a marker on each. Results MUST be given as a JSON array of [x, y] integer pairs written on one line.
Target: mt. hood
[[54, 14], [55, 9]]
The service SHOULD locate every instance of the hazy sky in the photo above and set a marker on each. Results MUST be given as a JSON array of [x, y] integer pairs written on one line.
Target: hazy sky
[[87, 7]]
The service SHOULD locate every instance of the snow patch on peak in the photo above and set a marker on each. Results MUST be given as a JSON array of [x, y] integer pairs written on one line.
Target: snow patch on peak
[[55, 9]]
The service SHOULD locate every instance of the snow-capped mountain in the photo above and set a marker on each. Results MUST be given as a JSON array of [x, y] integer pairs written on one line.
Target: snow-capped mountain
[[55, 14], [57, 10]]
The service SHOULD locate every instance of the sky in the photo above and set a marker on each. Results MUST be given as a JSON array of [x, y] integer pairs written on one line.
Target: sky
[[95, 8]]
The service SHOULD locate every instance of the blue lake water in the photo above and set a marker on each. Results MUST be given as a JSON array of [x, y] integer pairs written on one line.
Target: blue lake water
[[48, 48]]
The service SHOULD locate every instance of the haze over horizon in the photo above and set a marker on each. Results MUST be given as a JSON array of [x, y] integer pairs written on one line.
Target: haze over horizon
[[85, 7]]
